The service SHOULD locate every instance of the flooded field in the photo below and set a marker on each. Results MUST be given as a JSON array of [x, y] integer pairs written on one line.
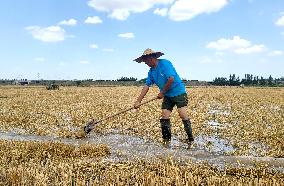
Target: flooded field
[[238, 138]]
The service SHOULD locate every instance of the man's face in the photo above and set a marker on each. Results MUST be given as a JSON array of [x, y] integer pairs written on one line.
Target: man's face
[[149, 61]]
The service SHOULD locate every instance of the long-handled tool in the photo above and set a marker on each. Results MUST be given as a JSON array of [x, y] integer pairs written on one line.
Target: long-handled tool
[[90, 125]]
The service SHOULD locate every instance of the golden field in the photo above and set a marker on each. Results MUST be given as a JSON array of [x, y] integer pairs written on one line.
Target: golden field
[[251, 119]]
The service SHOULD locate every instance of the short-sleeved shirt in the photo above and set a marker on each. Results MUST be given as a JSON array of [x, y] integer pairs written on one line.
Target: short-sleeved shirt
[[160, 75]]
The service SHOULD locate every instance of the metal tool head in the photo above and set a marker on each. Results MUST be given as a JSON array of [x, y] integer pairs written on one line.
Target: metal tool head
[[90, 125], [84, 131]]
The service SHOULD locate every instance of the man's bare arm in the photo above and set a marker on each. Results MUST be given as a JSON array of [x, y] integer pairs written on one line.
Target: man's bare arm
[[141, 96], [166, 87]]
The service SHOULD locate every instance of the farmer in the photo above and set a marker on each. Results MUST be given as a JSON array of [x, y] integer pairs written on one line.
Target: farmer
[[172, 90]]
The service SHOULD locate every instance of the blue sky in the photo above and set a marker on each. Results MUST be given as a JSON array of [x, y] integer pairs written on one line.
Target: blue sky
[[98, 39]]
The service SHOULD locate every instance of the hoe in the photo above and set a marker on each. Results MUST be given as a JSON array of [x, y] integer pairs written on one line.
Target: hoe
[[90, 125]]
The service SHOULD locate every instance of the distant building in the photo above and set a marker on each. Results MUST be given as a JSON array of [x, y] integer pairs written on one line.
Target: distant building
[[195, 83], [22, 82], [280, 82]]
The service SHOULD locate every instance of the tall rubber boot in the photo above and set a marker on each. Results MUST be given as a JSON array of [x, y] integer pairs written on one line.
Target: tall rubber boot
[[166, 129], [188, 130]]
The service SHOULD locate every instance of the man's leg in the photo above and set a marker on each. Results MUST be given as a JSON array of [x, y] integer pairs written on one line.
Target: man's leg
[[183, 113], [186, 122], [166, 114], [166, 125], [167, 107]]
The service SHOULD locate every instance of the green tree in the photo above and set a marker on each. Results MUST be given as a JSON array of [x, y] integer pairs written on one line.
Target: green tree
[[270, 81]]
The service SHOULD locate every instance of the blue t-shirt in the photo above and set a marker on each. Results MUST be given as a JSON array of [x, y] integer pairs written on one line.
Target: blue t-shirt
[[160, 75]]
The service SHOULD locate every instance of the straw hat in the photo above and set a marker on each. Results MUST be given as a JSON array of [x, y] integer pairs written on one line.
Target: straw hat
[[148, 53]]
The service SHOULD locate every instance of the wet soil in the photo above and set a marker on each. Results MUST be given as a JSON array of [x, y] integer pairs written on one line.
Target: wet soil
[[209, 149]]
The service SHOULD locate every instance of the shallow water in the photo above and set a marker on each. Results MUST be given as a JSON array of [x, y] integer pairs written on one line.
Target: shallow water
[[214, 144], [125, 148], [216, 125]]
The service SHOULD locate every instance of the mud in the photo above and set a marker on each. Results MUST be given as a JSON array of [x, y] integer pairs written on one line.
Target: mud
[[128, 148]]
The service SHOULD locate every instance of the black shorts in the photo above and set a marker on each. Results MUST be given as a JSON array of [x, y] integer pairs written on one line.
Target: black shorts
[[179, 101]]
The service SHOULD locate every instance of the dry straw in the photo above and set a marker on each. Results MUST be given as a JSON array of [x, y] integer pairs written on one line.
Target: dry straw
[[250, 118]]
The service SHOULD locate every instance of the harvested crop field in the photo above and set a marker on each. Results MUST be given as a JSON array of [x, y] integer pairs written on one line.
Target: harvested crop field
[[238, 138]]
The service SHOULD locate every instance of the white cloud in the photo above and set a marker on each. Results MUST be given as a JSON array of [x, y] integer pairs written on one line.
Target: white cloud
[[94, 46], [275, 53], [187, 9], [229, 44], [280, 21], [161, 12], [178, 10], [39, 59], [120, 14], [84, 62], [122, 9], [252, 49], [282, 33], [236, 45], [93, 20], [70, 22], [128, 35], [108, 50], [48, 34]]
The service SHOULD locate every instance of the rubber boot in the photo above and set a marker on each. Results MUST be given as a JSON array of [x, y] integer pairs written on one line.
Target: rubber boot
[[188, 130], [166, 130]]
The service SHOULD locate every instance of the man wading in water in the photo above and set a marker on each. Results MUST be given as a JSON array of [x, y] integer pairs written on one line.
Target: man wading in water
[[172, 90]]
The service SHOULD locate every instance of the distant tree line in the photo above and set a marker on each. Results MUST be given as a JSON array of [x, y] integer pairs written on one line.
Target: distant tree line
[[249, 80], [233, 80], [127, 79]]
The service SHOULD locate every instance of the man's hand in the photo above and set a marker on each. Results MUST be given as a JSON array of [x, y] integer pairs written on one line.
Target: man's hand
[[160, 95], [141, 96], [166, 87], [137, 104]]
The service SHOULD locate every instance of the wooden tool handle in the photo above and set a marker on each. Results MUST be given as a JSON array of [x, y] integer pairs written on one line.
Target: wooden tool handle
[[125, 110]]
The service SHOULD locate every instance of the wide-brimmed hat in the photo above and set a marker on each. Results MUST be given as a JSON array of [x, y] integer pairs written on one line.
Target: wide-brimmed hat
[[148, 53]]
